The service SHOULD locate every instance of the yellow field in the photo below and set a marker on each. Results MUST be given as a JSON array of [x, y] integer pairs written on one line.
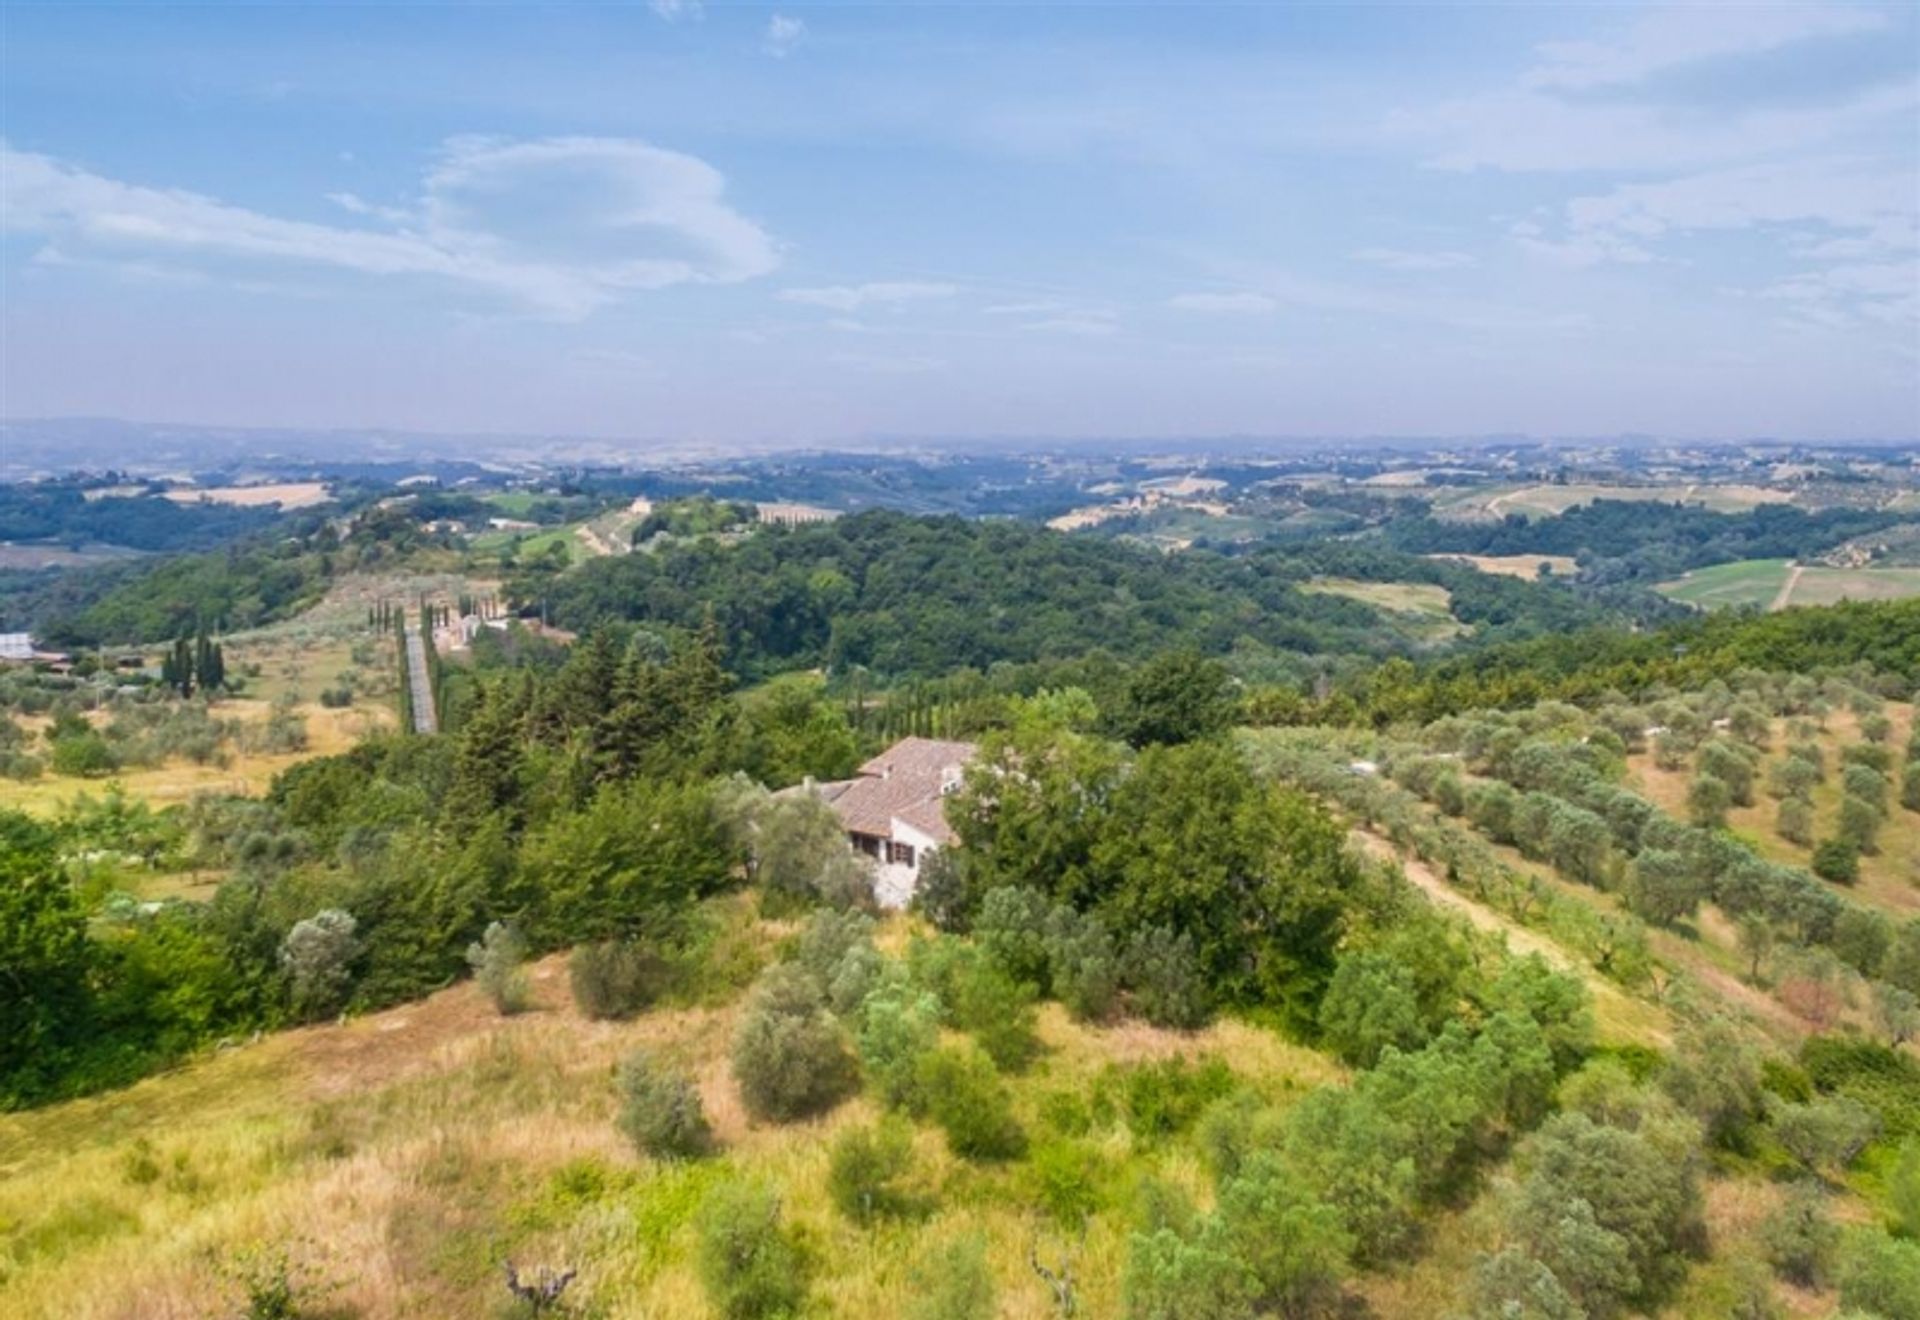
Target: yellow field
[[1549, 499], [286, 494], [403, 1156], [328, 732], [1520, 566]]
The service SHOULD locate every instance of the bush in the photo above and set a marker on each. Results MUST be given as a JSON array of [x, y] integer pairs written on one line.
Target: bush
[[660, 1112], [1903, 1188], [1081, 958], [85, 754], [998, 1012], [1011, 929], [788, 1054], [865, 1169], [1825, 1134], [1371, 1004], [1163, 1099], [1799, 1239], [496, 960], [317, 955], [1065, 1179], [1837, 860], [1880, 1275], [943, 895], [963, 1094], [748, 1261], [899, 1023], [1162, 974], [616, 979], [1511, 1285]]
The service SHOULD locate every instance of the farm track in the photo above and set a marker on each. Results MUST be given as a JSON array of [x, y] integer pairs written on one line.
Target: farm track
[[1786, 588], [425, 718]]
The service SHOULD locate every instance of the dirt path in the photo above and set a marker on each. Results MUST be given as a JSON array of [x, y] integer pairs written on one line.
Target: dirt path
[[1786, 588]]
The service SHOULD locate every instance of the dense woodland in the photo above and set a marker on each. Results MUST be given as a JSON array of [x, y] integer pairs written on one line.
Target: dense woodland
[[1620, 541]]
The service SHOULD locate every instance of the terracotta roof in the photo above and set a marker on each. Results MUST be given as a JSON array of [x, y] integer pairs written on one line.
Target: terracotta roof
[[905, 782]]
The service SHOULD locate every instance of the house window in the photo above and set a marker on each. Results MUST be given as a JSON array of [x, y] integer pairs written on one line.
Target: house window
[[900, 854]]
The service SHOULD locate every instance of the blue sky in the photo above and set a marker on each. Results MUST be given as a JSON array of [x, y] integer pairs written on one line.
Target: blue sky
[[806, 223]]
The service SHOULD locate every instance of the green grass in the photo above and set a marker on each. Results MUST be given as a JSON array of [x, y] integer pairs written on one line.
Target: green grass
[[1745, 582], [528, 544], [1422, 610], [1759, 582]]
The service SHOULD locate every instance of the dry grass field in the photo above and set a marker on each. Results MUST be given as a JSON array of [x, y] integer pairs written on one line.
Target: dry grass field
[[329, 731], [402, 1157], [1542, 501], [1889, 880], [1520, 566], [286, 494]]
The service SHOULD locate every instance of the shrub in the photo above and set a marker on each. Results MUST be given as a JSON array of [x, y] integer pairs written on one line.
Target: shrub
[[998, 1012], [496, 959], [1011, 928], [1903, 1188], [1837, 860], [865, 1169], [1859, 825], [86, 754], [1064, 1179], [1171, 1276], [788, 1054], [943, 895], [964, 1095], [1799, 1239], [953, 1283], [1825, 1134], [317, 955], [748, 1261], [899, 1023], [829, 936], [1794, 821], [1081, 958], [616, 979], [660, 1112], [1371, 1004], [1162, 974], [1880, 1275], [1511, 1285], [1164, 1099]]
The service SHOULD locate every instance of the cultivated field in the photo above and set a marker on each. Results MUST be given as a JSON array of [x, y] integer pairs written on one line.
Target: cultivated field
[[1778, 584], [1520, 566], [286, 494], [1540, 501]]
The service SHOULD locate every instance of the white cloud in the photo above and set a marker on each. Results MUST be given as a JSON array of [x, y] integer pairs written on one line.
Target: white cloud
[[675, 10], [557, 226], [783, 35], [1221, 302], [1678, 35], [1086, 325], [1400, 259], [1037, 307], [1859, 214], [852, 297]]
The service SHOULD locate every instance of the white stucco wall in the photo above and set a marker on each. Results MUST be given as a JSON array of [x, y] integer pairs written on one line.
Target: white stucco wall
[[894, 883]]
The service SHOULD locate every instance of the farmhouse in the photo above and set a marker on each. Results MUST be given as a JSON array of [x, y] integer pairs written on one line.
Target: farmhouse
[[894, 810]]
